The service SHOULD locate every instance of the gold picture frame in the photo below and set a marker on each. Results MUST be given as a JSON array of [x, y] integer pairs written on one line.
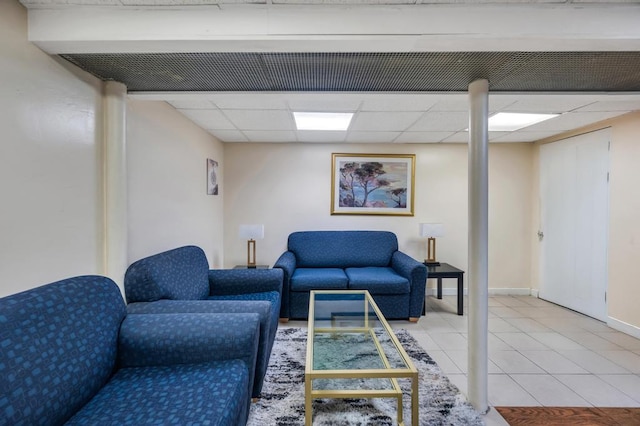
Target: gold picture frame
[[373, 184]]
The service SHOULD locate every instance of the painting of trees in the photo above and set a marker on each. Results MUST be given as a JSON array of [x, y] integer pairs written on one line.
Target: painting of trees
[[369, 184]]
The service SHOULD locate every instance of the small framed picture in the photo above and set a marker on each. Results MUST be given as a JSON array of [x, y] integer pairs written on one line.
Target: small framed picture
[[212, 177]]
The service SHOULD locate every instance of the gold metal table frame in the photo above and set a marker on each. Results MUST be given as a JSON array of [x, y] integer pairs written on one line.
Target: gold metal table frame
[[369, 319]]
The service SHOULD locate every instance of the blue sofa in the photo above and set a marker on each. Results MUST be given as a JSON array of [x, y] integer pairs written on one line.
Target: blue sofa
[[354, 260], [180, 281], [69, 354]]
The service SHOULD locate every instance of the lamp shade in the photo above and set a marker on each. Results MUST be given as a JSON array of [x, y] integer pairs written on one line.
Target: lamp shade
[[251, 232], [431, 230]]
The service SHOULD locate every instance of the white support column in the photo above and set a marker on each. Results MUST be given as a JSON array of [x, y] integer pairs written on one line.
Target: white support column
[[115, 181], [478, 244]]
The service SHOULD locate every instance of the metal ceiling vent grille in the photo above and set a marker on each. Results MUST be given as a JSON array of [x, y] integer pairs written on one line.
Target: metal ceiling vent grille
[[367, 72]]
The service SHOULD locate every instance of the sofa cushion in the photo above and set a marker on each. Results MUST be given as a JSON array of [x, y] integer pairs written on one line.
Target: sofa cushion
[[377, 280], [342, 249], [273, 297], [178, 274], [209, 393], [306, 279]]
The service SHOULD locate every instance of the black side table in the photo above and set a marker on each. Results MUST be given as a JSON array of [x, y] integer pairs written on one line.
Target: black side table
[[444, 270]]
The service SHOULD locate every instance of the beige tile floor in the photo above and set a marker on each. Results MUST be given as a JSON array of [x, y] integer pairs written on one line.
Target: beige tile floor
[[540, 354]]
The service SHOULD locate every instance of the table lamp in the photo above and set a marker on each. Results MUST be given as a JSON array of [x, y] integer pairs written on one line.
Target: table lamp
[[251, 233], [431, 231]]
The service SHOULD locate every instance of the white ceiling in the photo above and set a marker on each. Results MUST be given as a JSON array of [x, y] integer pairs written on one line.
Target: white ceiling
[[102, 26], [386, 118]]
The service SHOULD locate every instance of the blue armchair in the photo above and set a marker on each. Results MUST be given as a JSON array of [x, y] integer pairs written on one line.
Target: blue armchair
[[180, 280], [71, 355], [351, 260]]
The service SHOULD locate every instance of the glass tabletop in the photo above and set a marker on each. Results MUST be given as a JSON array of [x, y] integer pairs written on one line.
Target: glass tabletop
[[351, 336]]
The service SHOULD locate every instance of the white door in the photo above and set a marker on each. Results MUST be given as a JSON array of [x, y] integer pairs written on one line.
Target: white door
[[574, 206]]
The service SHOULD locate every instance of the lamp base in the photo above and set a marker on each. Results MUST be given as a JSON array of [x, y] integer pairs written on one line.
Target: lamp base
[[430, 264], [251, 266]]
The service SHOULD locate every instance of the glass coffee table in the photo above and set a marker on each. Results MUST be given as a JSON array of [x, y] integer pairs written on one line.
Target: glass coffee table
[[353, 353]]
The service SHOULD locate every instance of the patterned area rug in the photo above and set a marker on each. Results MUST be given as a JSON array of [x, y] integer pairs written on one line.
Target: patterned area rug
[[282, 401]]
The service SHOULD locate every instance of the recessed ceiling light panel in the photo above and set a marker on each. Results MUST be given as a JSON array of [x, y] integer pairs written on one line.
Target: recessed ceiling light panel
[[511, 121], [322, 120]]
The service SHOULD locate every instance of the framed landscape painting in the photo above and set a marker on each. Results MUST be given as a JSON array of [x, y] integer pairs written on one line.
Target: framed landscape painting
[[373, 184]]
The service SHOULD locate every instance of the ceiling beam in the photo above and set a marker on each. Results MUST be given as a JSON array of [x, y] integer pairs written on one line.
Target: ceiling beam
[[336, 28]]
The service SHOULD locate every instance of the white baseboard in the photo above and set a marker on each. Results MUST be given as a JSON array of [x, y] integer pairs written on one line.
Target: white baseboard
[[624, 327], [492, 292], [535, 292]]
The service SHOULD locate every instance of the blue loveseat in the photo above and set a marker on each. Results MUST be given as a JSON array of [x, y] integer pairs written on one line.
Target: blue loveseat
[[69, 354], [179, 280], [354, 260]]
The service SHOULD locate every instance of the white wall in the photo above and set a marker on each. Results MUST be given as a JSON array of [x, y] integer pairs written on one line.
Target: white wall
[[624, 226], [287, 187], [50, 214], [166, 171]]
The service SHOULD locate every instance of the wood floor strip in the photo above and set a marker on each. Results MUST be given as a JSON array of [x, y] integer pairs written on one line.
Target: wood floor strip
[[570, 416]]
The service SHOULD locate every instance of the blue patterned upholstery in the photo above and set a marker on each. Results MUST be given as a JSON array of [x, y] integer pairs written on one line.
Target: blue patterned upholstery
[[69, 352], [369, 260], [186, 267], [190, 394], [307, 279], [58, 344], [378, 280], [179, 274], [342, 249], [260, 307]]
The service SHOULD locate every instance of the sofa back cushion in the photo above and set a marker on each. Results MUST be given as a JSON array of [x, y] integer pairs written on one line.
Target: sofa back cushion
[[58, 347], [342, 249], [178, 274]]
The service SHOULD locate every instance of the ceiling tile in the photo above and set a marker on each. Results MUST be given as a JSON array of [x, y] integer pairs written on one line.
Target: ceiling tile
[[420, 103], [495, 135], [229, 135], [372, 137], [550, 103], [572, 120], [522, 136], [270, 136], [320, 136], [208, 118], [458, 137], [422, 137], [383, 121], [441, 121], [454, 103], [260, 119], [612, 105], [460, 103], [249, 101], [192, 104], [313, 102]]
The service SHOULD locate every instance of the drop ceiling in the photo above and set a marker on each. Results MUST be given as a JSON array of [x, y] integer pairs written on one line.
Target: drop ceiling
[[239, 69]]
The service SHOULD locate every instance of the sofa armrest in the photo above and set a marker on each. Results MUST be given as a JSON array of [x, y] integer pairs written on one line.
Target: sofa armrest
[[416, 273], [244, 281], [287, 263], [168, 339]]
